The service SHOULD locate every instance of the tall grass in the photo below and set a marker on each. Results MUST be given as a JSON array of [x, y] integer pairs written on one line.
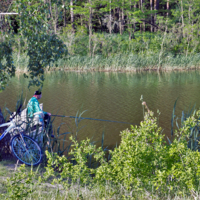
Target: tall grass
[[126, 62], [194, 137], [117, 52]]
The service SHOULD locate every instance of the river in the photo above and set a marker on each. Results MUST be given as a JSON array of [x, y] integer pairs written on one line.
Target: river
[[109, 96]]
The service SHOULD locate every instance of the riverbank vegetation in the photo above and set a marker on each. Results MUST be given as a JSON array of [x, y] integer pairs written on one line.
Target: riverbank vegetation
[[143, 166], [117, 53], [99, 35]]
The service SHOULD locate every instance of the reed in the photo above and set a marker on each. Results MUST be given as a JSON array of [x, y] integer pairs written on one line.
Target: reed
[[194, 137], [123, 62], [116, 52]]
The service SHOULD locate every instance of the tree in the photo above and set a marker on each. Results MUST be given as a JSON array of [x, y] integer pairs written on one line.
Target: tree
[[86, 10], [42, 45], [72, 14]]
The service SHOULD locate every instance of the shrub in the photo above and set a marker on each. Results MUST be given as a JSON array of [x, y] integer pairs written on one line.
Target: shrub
[[75, 169], [21, 184], [144, 159]]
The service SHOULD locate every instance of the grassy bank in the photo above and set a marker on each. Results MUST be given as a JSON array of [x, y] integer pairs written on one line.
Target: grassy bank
[[117, 53], [45, 190]]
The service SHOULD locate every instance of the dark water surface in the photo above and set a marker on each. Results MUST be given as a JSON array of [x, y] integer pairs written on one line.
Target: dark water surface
[[110, 96]]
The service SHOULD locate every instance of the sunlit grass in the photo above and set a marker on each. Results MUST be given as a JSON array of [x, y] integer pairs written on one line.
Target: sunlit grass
[[125, 62], [116, 52], [110, 191]]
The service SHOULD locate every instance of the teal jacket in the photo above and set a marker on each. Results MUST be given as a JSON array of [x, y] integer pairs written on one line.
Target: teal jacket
[[33, 107]]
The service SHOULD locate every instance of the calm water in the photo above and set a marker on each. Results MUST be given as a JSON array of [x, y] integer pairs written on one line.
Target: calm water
[[110, 96]]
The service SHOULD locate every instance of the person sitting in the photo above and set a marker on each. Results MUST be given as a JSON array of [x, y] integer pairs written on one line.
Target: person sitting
[[34, 110], [39, 117]]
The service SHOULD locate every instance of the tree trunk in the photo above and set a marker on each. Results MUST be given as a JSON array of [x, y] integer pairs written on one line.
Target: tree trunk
[[50, 9], [156, 7], [151, 5], [64, 14], [167, 7], [110, 20], [120, 21], [1, 23], [55, 19], [140, 6], [130, 25], [154, 20], [189, 14], [100, 23], [81, 20], [134, 26], [122, 24], [182, 13], [131, 34], [142, 1], [72, 14], [182, 17], [90, 29]]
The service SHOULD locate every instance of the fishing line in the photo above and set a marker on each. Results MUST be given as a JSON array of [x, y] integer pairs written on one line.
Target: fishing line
[[93, 119]]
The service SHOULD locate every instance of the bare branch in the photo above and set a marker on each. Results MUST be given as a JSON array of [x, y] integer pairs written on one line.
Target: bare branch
[[8, 13]]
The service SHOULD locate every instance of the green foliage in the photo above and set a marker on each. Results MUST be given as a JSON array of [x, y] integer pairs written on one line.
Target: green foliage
[[177, 34], [7, 69], [143, 161], [145, 44], [41, 41], [21, 184], [75, 168], [113, 52], [42, 46]]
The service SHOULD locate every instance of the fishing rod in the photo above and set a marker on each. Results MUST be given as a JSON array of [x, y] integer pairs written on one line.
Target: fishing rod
[[93, 119]]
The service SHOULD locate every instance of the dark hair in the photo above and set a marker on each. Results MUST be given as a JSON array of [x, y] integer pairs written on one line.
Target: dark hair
[[38, 93]]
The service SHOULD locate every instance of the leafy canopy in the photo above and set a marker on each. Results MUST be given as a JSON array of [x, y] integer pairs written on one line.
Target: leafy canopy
[[43, 46]]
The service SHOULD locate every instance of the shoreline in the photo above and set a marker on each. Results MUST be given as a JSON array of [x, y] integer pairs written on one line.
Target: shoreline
[[135, 70]]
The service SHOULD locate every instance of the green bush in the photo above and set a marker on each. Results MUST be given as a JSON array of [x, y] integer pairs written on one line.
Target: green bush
[[144, 159], [21, 184], [75, 169]]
